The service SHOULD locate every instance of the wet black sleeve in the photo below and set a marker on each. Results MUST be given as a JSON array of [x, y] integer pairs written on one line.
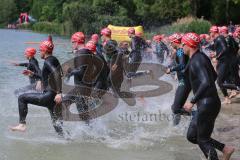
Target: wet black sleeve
[[210, 46], [78, 71], [164, 47], [134, 44], [36, 70], [222, 45], [55, 76], [38, 75], [23, 64], [119, 57], [200, 71], [182, 61]]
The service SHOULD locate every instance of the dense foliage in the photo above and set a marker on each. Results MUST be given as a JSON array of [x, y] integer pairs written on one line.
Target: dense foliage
[[90, 15]]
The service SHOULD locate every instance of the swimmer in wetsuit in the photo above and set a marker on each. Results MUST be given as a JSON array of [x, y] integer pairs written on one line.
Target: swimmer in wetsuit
[[115, 62], [161, 49], [233, 82], [201, 78], [32, 70], [99, 47], [138, 45], [50, 97], [82, 73], [102, 80], [32, 66], [182, 90], [223, 60], [114, 59], [89, 73]]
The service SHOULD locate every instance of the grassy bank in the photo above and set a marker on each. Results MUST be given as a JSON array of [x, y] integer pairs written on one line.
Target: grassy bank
[[44, 27], [183, 25]]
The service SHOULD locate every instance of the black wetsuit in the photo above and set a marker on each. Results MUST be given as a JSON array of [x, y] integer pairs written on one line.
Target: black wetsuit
[[182, 90], [137, 46], [203, 42], [233, 82], [222, 53], [161, 48], [231, 28], [33, 66], [99, 49], [159, 52], [83, 77], [102, 80], [201, 78], [51, 78], [114, 57], [116, 76], [238, 54]]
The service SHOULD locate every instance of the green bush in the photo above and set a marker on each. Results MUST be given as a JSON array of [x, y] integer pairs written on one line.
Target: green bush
[[27, 26], [187, 24], [47, 27]]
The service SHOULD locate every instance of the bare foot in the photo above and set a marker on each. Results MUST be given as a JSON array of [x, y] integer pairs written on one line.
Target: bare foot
[[227, 152], [226, 101], [19, 128], [233, 94]]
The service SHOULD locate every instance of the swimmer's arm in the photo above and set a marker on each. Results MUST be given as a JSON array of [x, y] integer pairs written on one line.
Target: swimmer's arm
[[164, 47], [202, 76], [23, 64], [181, 65], [37, 75], [119, 59], [57, 77], [133, 45], [37, 71], [224, 49], [77, 72], [210, 47]]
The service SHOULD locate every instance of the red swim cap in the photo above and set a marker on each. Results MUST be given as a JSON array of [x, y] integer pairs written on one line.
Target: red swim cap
[[78, 37], [91, 46], [237, 30], [223, 29], [30, 52], [106, 32], [157, 38], [192, 40], [46, 46], [175, 38], [95, 37], [213, 29]]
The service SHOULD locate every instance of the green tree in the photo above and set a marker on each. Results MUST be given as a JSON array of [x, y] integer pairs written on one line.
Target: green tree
[[36, 9], [23, 5], [8, 11], [81, 16]]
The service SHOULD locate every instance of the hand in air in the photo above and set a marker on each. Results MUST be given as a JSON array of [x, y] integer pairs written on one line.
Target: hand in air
[[27, 73], [114, 67], [188, 106], [58, 98]]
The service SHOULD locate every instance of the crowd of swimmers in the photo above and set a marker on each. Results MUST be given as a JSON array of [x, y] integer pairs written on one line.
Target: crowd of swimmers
[[198, 61]]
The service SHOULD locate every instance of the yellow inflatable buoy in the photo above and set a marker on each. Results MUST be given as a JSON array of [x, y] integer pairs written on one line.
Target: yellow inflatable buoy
[[120, 33]]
